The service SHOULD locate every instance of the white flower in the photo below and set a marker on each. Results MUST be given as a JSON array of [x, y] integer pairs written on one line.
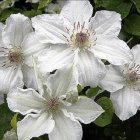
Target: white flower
[[55, 111], [124, 84], [17, 45], [81, 39], [10, 135]]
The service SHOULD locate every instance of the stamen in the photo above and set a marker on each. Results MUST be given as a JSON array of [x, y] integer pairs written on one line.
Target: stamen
[[53, 105]]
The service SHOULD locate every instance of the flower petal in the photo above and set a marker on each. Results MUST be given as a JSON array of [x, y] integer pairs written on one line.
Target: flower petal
[[113, 80], [17, 27], [85, 110], [55, 58], [106, 22], [126, 102], [112, 49], [50, 28], [32, 45], [136, 53], [10, 78], [29, 77], [25, 101], [63, 81], [65, 129], [91, 70], [77, 11], [34, 125]]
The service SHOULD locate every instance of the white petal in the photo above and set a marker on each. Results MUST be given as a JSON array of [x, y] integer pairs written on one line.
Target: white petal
[[106, 22], [126, 102], [77, 11], [65, 129], [25, 101], [136, 53], [112, 49], [91, 70], [113, 80], [50, 28], [63, 81], [17, 27], [29, 77], [31, 46], [10, 78], [34, 126], [85, 110], [55, 58]]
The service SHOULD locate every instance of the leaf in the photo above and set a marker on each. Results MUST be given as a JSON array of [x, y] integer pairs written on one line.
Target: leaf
[[32, 13], [5, 118], [14, 122], [92, 92], [105, 118], [120, 6], [137, 4], [132, 25], [43, 3]]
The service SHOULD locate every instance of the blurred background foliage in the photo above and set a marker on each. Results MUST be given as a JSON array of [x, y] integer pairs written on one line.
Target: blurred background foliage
[[107, 126]]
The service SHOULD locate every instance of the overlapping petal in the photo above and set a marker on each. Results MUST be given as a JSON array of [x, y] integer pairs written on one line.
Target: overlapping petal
[[65, 129], [112, 49], [50, 28], [126, 102], [55, 58], [16, 28], [77, 11], [63, 81], [90, 69], [106, 23], [113, 80], [85, 110], [29, 77], [25, 101], [34, 125], [136, 53], [10, 78]]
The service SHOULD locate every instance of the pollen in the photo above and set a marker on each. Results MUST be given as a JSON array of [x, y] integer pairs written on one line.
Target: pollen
[[132, 73], [15, 56], [53, 105]]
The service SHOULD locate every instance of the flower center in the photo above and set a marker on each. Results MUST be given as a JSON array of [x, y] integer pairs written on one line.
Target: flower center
[[80, 37], [11, 57], [53, 105], [15, 56], [132, 73]]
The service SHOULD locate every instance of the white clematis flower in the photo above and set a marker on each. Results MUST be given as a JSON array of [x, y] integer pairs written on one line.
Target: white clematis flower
[[83, 40], [17, 45], [55, 111], [124, 84]]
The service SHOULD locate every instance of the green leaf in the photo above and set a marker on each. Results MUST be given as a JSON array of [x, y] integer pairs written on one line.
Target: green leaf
[[137, 4], [43, 3], [14, 122], [120, 6], [32, 13], [5, 118], [105, 118], [132, 25], [92, 92]]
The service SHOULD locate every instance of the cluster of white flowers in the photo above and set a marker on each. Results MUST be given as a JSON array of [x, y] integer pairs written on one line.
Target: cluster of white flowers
[[75, 44]]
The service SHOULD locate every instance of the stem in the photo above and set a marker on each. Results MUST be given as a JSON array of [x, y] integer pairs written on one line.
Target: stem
[[130, 40]]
